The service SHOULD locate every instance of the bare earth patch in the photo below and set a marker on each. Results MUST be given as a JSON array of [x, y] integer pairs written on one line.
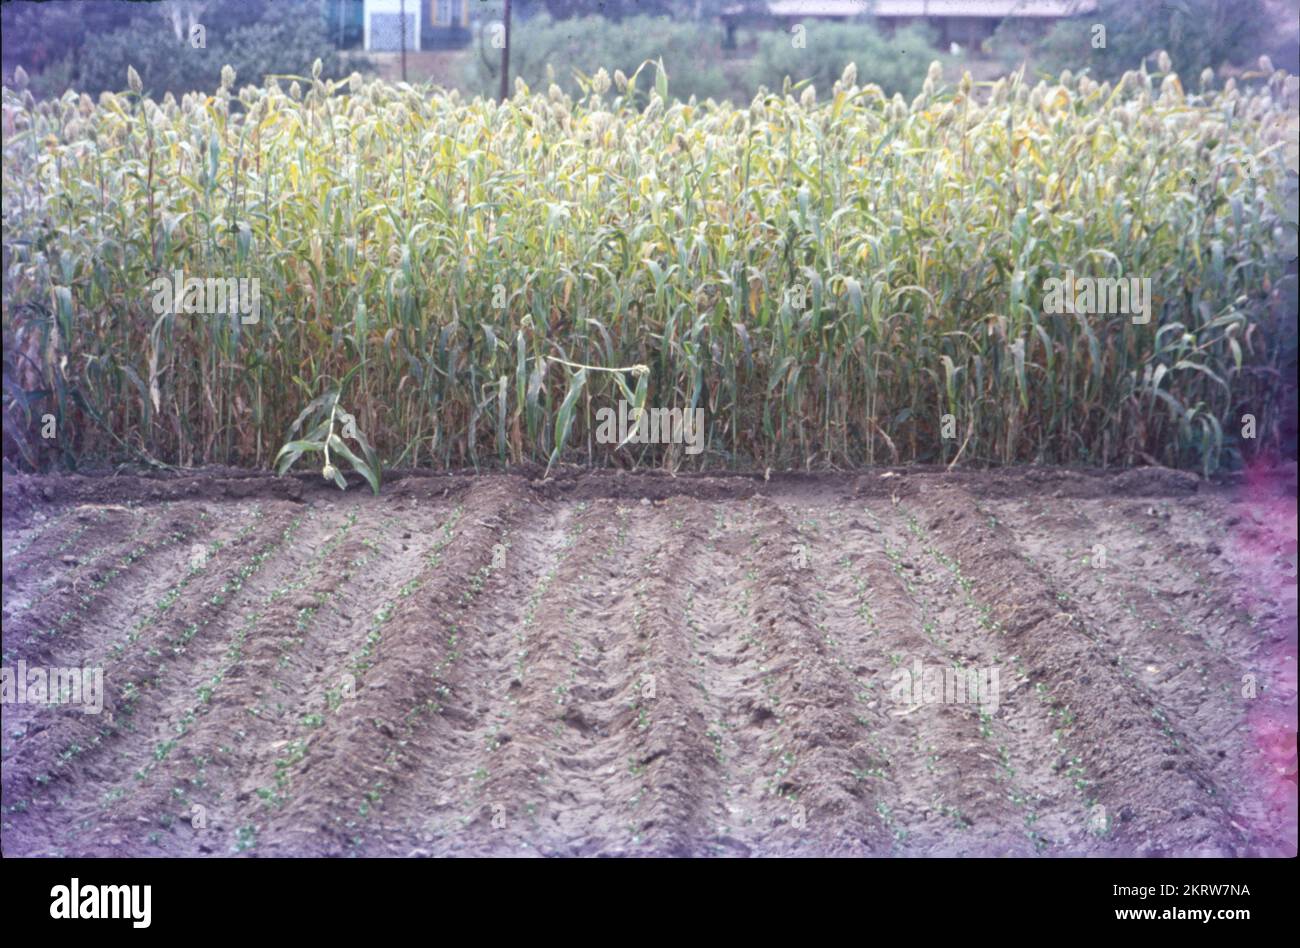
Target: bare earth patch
[[620, 664]]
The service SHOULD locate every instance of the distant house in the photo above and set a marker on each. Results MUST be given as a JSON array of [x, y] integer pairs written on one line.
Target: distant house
[[430, 24], [954, 21], [448, 23]]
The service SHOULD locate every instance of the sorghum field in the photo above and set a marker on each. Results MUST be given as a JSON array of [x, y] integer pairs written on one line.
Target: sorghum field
[[826, 279], [510, 635]]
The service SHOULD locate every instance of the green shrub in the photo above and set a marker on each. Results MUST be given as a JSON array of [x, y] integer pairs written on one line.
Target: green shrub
[[544, 50], [285, 39], [1195, 33], [896, 64]]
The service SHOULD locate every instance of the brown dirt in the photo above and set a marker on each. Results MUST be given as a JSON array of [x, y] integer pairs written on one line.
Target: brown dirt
[[443, 67], [619, 664]]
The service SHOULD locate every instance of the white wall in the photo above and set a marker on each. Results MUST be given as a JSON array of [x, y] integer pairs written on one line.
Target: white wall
[[414, 15]]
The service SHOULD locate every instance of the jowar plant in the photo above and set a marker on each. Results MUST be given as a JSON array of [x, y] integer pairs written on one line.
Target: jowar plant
[[320, 416]]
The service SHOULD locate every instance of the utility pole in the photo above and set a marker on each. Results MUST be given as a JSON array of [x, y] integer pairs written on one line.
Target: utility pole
[[403, 19], [505, 58]]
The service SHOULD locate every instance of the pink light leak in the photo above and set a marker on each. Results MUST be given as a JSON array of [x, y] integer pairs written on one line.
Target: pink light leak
[[1263, 549]]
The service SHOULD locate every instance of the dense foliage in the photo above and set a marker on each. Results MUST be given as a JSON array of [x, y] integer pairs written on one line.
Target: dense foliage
[[827, 273], [544, 50], [88, 46], [1196, 34]]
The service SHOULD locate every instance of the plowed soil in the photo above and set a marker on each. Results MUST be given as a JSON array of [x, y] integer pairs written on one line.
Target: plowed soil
[[605, 664]]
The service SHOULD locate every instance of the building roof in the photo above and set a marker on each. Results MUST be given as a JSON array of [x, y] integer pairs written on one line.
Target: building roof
[[936, 8]]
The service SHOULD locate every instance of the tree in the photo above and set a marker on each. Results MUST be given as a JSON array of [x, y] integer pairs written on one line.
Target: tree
[[255, 37], [1195, 34]]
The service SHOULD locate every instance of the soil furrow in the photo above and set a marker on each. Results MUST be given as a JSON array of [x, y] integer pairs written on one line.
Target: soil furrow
[[1150, 778], [1031, 662], [1006, 734], [58, 736], [806, 796], [63, 621], [293, 664], [170, 651], [377, 742]]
